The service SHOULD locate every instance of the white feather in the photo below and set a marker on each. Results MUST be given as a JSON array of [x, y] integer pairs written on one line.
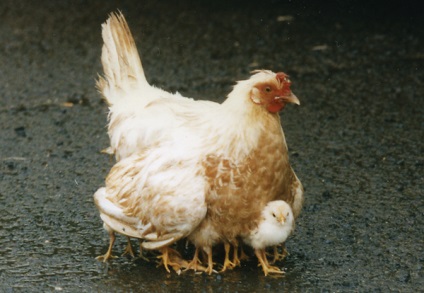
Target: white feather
[[271, 231], [142, 116], [160, 139]]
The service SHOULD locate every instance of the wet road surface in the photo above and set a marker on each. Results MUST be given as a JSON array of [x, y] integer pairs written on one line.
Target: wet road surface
[[356, 141]]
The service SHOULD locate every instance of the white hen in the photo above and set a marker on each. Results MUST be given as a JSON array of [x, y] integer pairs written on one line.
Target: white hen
[[234, 153]]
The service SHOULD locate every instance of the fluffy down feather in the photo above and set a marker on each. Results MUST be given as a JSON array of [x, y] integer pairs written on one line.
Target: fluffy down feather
[[275, 226]]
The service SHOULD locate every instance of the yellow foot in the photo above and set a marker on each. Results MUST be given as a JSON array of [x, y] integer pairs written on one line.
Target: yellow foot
[[105, 257], [196, 267], [141, 255], [271, 269], [243, 255], [227, 265], [195, 264], [263, 262], [128, 250], [171, 257], [108, 254], [279, 256], [236, 258], [209, 270]]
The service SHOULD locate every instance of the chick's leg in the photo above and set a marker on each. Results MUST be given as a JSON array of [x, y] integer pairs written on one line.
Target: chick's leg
[[108, 254], [261, 255]]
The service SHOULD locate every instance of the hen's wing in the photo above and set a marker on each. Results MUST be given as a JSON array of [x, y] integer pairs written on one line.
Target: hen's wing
[[157, 123], [153, 196]]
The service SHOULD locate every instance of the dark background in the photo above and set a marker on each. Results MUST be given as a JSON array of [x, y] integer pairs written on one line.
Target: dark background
[[356, 141]]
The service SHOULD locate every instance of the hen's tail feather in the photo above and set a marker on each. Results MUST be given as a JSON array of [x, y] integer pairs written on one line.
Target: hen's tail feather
[[121, 63]]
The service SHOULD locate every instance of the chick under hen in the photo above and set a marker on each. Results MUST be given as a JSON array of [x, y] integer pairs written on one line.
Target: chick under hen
[[275, 227]]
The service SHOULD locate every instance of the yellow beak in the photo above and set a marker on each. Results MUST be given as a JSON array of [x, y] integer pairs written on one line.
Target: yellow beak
[[281, 219], [291, 98]]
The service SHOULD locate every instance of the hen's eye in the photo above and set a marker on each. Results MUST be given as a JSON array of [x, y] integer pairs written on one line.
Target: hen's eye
[[268, 89]]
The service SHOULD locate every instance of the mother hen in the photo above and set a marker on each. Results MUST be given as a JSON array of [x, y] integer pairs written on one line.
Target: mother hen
[[220, 164]]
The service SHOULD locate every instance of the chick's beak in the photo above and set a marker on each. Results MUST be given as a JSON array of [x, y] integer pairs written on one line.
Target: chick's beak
[[281, 219], [290, 98]]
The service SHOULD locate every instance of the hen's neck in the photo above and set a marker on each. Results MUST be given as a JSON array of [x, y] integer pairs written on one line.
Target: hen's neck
[[240, 124]]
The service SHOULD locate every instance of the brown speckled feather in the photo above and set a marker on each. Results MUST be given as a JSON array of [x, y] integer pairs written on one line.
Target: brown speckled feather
[[239, 191], [159, 197]]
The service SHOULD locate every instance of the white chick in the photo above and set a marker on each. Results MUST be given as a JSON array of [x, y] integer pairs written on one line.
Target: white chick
[[275, 226]]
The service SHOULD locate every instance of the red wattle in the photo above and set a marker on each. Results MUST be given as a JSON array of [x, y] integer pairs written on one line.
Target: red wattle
[[275, 107]]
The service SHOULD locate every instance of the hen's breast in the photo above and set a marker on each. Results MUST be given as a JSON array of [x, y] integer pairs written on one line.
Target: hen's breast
[[239, 189]]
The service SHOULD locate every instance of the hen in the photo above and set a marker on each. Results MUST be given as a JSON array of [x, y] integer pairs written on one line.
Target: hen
[[219, 163]]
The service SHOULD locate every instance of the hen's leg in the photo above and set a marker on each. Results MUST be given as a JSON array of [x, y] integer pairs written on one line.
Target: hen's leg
[[141, 251], [165, 258], [195, 264], [227, 262], [260, 254], [171, 257], [128, 249], [209, 270], [243, 255], [236, 258], [108, 254]]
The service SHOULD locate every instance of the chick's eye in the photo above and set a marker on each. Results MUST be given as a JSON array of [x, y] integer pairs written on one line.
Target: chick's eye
[[268, 89], [273, 214]]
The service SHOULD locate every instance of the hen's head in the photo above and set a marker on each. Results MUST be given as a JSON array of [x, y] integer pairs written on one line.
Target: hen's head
[[271, 90]]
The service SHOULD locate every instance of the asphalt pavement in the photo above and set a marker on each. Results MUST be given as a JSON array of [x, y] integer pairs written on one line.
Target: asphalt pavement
[[356, 141]]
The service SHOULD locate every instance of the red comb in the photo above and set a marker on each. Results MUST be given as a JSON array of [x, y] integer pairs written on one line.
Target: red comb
[[284, 80], [282, 77]]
